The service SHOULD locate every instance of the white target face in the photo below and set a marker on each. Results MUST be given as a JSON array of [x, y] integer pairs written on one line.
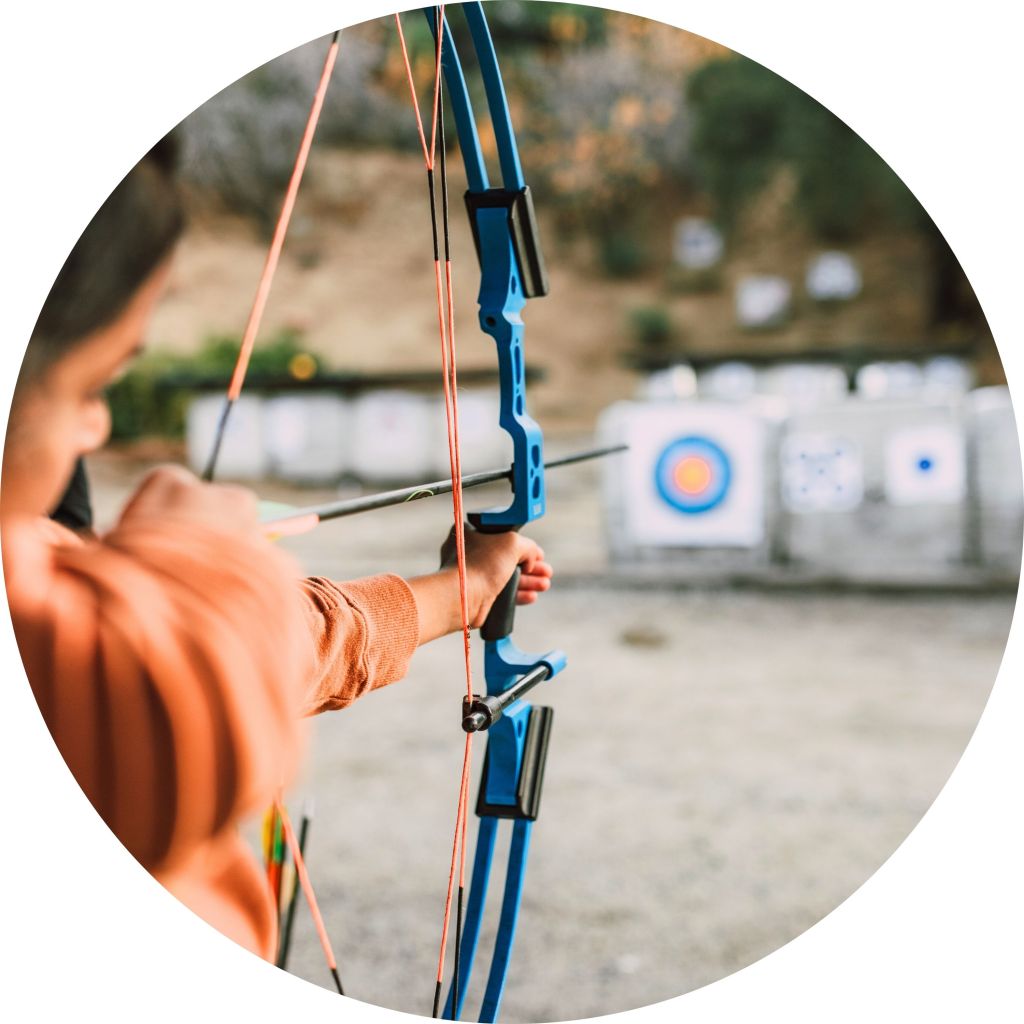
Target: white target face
[[821, 472], [925, 465], [694, 475]]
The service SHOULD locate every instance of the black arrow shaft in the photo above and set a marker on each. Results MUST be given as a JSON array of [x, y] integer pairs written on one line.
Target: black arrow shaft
[[403, 495]]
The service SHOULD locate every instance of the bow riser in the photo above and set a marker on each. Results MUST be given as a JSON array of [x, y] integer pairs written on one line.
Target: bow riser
[[501, 303]]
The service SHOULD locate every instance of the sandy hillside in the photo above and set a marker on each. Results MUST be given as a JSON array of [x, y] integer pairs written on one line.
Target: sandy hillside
[[357, 279]]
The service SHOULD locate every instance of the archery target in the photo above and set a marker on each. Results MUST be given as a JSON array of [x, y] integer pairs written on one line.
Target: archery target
[[821, 472], [694, 475], [925, 465]]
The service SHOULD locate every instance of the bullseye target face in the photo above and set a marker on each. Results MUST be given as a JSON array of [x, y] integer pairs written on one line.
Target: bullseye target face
[[693, 475]]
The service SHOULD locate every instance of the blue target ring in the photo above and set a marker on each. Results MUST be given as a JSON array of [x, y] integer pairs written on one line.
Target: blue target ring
[[693, 475]]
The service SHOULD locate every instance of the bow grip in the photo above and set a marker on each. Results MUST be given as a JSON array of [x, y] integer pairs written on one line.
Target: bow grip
[[501, 618]]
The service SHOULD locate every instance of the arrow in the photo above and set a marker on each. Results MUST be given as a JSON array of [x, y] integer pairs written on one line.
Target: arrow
[[302, 520]]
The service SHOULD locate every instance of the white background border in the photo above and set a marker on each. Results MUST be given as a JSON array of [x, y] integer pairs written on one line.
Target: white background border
[[935, 934]]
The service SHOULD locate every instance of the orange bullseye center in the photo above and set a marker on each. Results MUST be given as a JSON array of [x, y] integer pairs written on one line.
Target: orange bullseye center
[[692, 475]]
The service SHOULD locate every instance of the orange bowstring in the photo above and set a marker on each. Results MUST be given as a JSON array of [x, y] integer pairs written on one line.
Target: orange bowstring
[[446, 332], [234, 390], [259, 304]]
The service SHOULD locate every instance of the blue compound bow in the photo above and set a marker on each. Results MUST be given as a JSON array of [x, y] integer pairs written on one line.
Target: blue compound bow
[[512, 271]]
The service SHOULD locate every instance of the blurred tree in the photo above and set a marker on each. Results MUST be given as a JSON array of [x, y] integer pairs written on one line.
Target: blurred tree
[[748, 122], [240, 145], [525, 23], [607, 126]]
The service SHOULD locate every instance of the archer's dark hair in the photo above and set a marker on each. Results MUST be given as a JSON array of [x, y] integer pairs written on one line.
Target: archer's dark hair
[[127, 239]]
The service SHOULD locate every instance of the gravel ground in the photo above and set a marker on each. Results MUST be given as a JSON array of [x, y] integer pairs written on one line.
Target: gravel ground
[[726, 768]]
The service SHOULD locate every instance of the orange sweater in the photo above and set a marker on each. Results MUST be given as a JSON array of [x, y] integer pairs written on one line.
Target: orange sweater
[[173, 666]]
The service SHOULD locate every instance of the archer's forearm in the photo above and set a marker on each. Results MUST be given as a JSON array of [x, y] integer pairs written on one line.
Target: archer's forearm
[[437, 601]]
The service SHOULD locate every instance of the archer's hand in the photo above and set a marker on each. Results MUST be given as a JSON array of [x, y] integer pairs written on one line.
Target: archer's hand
[[171, 492], [491, 558]]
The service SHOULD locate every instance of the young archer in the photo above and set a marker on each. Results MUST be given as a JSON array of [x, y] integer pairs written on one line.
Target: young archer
[[174, 657]]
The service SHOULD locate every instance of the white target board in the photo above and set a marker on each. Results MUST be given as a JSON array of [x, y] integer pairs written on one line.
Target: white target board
[[821, 472], [925, 465], [484, 445], [997, 484], [697, 244], [804, 385], [395, 436], [243, 454], [890, 381], [730, 381], [762, 301], [308, 436], [833, 277], [694, 475]]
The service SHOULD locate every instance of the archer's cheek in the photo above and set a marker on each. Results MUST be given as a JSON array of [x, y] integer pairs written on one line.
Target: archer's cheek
[[92, 427]]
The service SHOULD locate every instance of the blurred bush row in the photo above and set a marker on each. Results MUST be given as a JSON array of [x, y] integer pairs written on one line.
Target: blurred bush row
[[152, 397]]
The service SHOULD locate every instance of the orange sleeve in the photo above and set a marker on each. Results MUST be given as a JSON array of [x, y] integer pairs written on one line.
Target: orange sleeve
[[170, 667], [364, 632]]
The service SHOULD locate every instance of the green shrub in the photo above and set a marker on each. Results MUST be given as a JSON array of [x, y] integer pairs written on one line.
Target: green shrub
[[151, 398], [622, 253], [652, 330]]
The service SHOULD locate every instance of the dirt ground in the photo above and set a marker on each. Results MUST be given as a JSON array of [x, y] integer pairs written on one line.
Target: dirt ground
[[726, 767]]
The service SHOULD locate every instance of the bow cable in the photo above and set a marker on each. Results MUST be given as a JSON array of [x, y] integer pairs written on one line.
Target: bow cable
[[434, 156]]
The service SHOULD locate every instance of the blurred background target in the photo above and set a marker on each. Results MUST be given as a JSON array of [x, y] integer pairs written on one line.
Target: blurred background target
[[693, 475]]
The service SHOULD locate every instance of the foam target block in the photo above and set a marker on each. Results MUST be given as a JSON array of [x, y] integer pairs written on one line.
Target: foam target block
[[833, 277], [693, 478], [821, 472], [395, 436], [484, 444], [243, 452], [887, 504], [731, 381], [804, 385], [309, 437], [996, 485]]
